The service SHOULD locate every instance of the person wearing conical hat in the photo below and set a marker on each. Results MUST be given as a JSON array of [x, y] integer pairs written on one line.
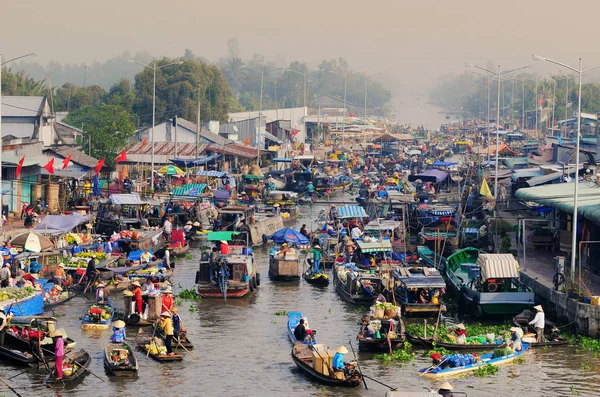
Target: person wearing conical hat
[[338, 359], [166, 323], [119, 334], [102, 293], [539, 322], [446, 390], [137, 297], [515, 339], [167, 300], [59, 352]]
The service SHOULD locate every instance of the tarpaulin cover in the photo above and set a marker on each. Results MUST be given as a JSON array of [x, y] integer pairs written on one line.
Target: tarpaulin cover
[[192, 162], [218, 236], [282, 160], [378, 246], [221, 195], [498, 266], [430, 176], [58, 224], [217, 174], [126, 199], [290, 236], [191, 189], [351, 211], [444, 163]]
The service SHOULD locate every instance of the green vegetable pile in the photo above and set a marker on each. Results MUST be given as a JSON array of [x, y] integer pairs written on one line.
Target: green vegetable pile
[[404, 355], [503, 351], [189, 294], [476, 331], [486, 370], [15, 293], [281, 313]]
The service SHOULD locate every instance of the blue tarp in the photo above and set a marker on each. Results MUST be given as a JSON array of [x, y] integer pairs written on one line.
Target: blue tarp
[[192, 162], [444, 163], [351, 211], [59, 224], [290, 236], [32, 306], [282, 160], [217, 174]]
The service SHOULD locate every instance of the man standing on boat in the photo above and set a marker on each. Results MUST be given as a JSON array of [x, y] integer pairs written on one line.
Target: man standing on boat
[[316, 253], [538, 322], [168, 228]]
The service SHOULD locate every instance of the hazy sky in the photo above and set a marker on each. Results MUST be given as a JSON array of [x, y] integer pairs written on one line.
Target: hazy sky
[[412, 41]]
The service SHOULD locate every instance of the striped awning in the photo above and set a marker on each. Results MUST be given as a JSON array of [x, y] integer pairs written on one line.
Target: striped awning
[[498, 266], [217, 174], [191, 189], [351, 211], [377, 246]]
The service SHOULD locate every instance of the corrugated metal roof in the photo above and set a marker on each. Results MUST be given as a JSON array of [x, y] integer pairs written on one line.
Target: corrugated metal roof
[[18, 130], [378, 246], [165, 148], [498, 266], [22, 106], [126, 199], [539, 180], [351, 211]]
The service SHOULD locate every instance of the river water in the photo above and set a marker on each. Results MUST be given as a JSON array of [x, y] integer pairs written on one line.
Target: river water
[[243, 350]]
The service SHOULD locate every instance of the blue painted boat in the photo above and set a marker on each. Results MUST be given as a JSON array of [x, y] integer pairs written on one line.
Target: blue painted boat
[[293, 320], [439, 372], [91, 321], [29, 306]]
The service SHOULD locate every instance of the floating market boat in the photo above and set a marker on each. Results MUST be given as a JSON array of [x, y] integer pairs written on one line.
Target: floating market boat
[[487, 283], [409, 281], [157, 351], [392, 335], [286, 267], [235, 274], [293, 320], [245, 220], [431, 343], [120, 359], [551, 332], [22, 301], [287, 201], [74, 367], [98, 317], [315, 361], [319, 278], [441, 372], [355, 286]]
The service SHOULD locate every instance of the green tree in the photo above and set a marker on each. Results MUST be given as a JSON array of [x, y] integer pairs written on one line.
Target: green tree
[[108, 126]]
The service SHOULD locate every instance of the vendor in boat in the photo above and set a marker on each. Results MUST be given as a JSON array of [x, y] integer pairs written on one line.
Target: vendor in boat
[[196, 227], [5, 275], [368, 331], [167, 258], [337, 363], [300, 331], [539, 322], [102, 294], [90, 272], [137, 297], [119, 334], [166, 323], [177, 323], [461, 333], [356, 233], [167, 300], [515, 339], [446, 390], [148, 286], [146, 256], [304, 231], [168, 228], [423, 296], [316, 256], [276, 208], [188, 227], [59, 352]]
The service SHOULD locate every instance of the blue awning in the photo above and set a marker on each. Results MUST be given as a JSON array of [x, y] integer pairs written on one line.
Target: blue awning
[[282, 160], [444, 163], [351, 211], [191, 189], [192, 162], [216, 174]]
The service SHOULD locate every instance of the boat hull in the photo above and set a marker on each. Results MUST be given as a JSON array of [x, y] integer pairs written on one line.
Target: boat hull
[[353, 381], [120, 371], [82, 359], [430, 343], [380, 345]]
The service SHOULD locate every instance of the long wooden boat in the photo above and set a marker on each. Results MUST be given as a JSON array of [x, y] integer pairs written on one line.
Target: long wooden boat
[[380, 344], [293, 320], [439, 372], [80, 362], [302, 355], [431, 343], [349, 291], [162, 358], [285, 268], [32, 305], [64, 297], [125, 366], [321, 279], [17, 356], [180, 251], [93, 323]]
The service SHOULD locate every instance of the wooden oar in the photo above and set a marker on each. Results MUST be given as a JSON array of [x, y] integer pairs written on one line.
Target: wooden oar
[[11, 388], [151, 340], [183, 347], [358, 365], [381, 383], [433, 367], [84, 368]]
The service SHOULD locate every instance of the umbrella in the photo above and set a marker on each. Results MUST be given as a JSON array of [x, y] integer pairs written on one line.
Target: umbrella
[[171, 170], [33, 242], [290, 236]]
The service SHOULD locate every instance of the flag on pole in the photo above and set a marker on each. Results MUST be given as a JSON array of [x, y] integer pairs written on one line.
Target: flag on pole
[[50, 166], [485, 189], [99, 166], [19, 166], [247, 141], [144, 141], [121, 157], [294, 133], [67, 161]]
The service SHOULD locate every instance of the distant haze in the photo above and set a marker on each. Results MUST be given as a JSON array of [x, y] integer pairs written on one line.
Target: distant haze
[[408, 42]]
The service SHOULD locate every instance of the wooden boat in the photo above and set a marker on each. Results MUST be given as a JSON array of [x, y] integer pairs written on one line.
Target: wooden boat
[[120, 359], [95, 321], [163, 358], [293, 320], [358, 288], [32, 305], [439, 372], [310, 360], [552, 336], [183, 341], [80, 362], [384, 344], [179, 251], [65, 296], [487, 283], [320, 278], [409, 281], [284, 268], [430, 343]]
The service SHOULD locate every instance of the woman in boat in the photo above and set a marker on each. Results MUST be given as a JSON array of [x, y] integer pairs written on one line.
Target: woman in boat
[[515, 340], [166, 323], [119, 334], [102, 294], [446, 390], [137, 297], [539, 322], [338, 359], [59, 352], [167, 300], [368, 331], [461, 333]]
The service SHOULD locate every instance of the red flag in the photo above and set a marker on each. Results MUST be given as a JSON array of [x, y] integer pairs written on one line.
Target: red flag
[[352, 114], [247, 141], [122, 156], [67, 161], [50, 166], [99, 166], [294, 133], [19, 166], [144, 141]]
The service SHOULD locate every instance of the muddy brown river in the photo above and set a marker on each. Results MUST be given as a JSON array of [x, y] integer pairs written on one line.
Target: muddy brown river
[[243, 350]]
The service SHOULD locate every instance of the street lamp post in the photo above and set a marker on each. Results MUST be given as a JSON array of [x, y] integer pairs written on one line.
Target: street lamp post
[[154, 68], [262, 72], [2, 64], [487, 127], [305, 74], [345, 75], [366, 94], [580, 72]]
